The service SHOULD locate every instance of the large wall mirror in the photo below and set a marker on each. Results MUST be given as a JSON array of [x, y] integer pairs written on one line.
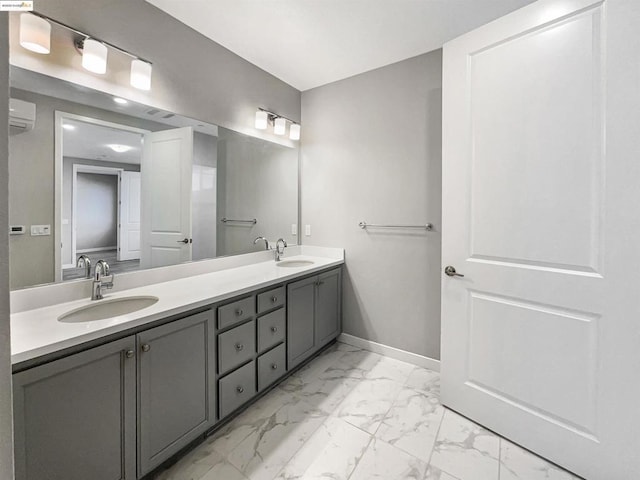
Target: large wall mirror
[[111, 179]]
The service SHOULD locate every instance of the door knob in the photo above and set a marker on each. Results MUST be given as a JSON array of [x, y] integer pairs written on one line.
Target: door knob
[[450, 271], [184, 240]]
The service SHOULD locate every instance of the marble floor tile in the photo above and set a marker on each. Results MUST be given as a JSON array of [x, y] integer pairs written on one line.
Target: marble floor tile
[[262, 454], [220, 468], [368, 403], [466, 450], [517, 463], [353, 364], [434, 473], [324, 394], [332, 452], [251, 421], [390, 369], [412, 423], [386, 462], [184, 469], [425, 380]]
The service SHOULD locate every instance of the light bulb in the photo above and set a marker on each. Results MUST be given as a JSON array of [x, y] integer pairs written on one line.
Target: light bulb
[[279, 126], [94, 56], [35, 33], [294, 131], [261, 120], [141, 74]]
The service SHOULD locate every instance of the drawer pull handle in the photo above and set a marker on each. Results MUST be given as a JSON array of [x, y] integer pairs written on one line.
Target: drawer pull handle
[[239, 312], [239, 347], [146, 347], [274, 329], [240, 389], [129, 354], [274, 366], [274, 299]]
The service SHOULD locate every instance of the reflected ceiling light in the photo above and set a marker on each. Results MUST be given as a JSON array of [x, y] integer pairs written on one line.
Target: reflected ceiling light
[[69, 127], [294, 131], [35, 33], [120, 101], [280, 126], [262, 118], [119, 148], [140, 74], [94, 56]]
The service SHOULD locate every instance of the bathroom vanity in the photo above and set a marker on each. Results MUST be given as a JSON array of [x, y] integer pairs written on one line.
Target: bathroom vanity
[[117, 397]]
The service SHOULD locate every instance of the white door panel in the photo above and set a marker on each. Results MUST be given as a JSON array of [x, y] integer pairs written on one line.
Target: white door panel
[[166, 197], [540, 338], [129, 242]]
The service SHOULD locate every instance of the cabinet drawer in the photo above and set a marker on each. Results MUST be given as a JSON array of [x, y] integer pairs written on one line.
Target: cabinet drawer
[[271, 299], [236, 312], [271, 366], [236, 346], [237, 388], [271, 329]]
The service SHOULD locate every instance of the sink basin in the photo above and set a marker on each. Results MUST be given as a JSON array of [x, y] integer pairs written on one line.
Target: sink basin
[[102, 309], [294, 263]]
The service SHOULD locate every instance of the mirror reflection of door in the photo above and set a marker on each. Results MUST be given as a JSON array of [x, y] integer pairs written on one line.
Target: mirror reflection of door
[[101, 194]]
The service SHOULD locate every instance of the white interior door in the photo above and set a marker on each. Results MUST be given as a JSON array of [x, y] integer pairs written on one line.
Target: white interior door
[[541, 182], [129, 232], [166, 197]]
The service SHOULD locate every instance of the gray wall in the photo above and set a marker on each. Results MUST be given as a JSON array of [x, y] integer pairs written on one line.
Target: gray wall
[[97, 211], [256, 179], [6, 436], [371, 151]]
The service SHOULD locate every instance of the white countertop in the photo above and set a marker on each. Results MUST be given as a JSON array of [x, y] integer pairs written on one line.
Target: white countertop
[[38, 332]]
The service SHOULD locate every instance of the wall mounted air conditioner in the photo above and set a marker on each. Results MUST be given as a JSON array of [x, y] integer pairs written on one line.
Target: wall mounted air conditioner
[[22, 116]]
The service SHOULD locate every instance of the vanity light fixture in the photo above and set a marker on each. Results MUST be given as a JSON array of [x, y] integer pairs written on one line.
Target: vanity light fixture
[[294, 131], [279, 126], [264, 117], [94, 56], [119, 148], [140, 74], [120, 101], [35, 33]]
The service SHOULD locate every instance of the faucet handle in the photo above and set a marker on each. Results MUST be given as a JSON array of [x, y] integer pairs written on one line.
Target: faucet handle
[[109, 284]]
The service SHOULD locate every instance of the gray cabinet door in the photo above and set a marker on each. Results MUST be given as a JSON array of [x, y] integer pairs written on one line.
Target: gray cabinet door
[[75, 417], [176, 387], [327, 307], [300, 319]]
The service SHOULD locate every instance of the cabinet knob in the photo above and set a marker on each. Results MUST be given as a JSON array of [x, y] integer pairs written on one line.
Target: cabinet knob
[[274, 299], [129, 353], [240, 389], [318, 283], [274, 366], [274, 329], [239, 346], [146, 347], [239, 312]]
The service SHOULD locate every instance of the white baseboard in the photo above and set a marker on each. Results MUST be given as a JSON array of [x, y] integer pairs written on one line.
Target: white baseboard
[[391, 352]]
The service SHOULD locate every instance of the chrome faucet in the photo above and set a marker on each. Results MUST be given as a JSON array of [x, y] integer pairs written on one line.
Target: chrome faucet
[[84, 262], [266, 242], [280, 245], [101, 271]]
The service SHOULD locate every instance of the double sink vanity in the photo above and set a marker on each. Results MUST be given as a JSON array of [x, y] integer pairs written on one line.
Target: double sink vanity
[[114, 388]]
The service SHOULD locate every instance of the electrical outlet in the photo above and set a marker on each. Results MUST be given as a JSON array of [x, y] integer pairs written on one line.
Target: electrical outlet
[[294, 229], [307, 230]]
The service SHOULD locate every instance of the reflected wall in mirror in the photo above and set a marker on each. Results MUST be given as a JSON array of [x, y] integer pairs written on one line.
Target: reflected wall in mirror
[[138, 187]]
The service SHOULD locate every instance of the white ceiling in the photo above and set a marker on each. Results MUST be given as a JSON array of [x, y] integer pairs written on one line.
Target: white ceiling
[[91, 141], [308, 43]]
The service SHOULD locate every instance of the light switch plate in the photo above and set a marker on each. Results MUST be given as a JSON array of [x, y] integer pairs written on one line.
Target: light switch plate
[[40, 230], [307, 230], [294, 229]]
